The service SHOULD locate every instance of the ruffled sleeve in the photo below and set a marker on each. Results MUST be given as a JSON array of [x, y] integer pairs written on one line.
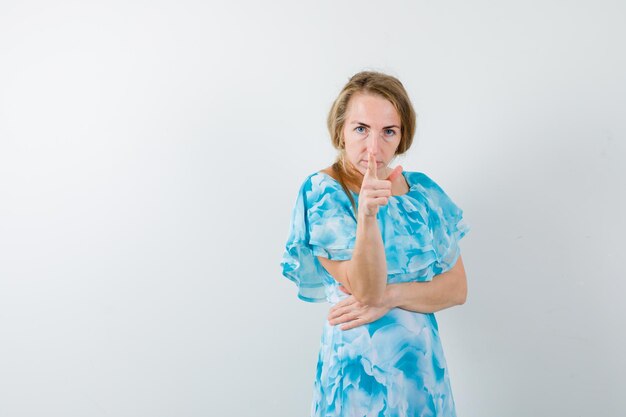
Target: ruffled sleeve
[[322, 224], [447, 225]]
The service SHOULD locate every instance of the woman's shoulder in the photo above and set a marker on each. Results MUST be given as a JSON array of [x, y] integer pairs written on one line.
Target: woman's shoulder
[[419, 179], [328, 171], [320, 182], [326, 175], [417, 175], [321, 190], [432, 190]]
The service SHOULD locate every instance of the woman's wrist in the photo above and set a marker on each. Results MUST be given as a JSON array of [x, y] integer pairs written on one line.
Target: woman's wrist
[[364, 218], [392, 296]]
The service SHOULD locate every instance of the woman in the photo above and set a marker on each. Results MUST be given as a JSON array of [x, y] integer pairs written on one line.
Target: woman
[[381, 245]]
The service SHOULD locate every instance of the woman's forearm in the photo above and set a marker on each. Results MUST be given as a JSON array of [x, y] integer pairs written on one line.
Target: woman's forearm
[[444, 291], [367, 270]]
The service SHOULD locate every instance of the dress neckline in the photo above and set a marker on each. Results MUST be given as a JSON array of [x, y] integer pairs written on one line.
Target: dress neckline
[[404, 174]]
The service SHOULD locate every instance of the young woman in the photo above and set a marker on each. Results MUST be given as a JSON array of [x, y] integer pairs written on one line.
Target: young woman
[[380, 245]]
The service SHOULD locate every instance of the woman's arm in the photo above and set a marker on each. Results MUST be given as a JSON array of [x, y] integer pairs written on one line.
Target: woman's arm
[[365, 274], [445, 290], [368, 263]]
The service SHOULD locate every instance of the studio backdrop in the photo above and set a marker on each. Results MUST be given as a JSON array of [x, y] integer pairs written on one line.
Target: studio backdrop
[[151, 154]]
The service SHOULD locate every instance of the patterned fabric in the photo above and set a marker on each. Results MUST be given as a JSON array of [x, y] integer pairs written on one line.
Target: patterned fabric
[[394, 366]]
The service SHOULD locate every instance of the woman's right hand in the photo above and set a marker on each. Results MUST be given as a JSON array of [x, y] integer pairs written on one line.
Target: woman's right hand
[[374, 192]]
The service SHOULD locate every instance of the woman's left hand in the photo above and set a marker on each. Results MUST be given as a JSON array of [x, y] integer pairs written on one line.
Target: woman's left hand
[[354, 313]]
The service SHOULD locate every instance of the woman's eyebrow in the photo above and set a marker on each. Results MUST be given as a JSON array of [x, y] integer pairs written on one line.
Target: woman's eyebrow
[[368, 126]]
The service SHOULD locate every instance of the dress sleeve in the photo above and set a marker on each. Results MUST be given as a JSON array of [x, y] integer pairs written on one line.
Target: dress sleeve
[[447, 225], [322, 224]]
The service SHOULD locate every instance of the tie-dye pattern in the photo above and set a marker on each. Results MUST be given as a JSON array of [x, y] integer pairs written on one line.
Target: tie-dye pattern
[[395, 366]]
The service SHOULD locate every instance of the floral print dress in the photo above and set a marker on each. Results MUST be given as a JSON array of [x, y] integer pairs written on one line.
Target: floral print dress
[[394, 366]]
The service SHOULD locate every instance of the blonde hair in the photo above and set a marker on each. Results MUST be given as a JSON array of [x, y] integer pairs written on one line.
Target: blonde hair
[[376, 83]]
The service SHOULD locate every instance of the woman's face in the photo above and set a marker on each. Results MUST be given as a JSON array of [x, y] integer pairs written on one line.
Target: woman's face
[[372, 125]]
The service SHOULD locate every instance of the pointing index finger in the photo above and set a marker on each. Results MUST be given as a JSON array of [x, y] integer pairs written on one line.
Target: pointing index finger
[[371, 165]]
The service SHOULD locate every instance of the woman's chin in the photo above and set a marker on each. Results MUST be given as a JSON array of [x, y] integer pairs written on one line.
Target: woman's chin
[[361, 169]]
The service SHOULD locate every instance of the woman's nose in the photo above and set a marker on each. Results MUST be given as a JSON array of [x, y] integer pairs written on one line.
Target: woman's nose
[[372, 143]]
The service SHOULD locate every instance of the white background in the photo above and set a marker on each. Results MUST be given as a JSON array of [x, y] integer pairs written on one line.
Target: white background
[[151, 153]]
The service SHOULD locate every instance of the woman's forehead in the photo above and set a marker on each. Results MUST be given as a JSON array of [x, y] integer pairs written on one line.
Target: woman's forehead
[[369, 109]]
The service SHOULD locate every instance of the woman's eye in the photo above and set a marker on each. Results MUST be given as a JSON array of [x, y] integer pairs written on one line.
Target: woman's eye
[[360, 131], [391, 132]]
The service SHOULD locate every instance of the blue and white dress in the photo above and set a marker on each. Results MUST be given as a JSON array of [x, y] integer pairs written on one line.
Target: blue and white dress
[[394, 366]]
